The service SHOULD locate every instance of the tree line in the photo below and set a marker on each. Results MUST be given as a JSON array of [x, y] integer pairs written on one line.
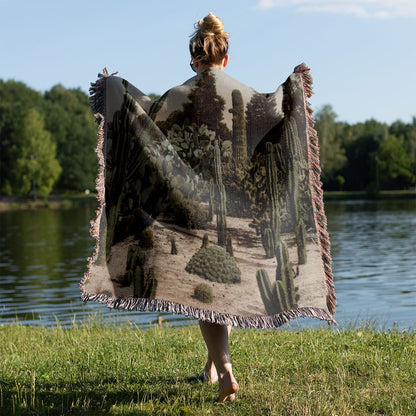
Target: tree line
[[367, 156], [47, 143]]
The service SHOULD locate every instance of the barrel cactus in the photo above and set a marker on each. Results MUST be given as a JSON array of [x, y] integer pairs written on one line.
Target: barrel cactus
[[215, 264], [203, 293]]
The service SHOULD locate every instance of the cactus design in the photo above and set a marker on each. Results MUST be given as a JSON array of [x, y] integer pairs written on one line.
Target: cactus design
[[205, 241], [268, 242], [173, 249], [286, 275], [294, 168], [215, 264], [281, 295], [203, 293], [301, 241], [230, 250], [221, 207], [239, 127], [144, 283], [273, 192], [211, 190]]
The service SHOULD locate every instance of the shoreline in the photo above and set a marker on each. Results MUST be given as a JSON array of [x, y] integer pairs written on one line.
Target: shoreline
[[67, 201], [348, 195], [61, 201]]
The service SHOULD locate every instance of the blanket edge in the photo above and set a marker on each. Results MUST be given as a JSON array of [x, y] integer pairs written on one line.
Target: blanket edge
[[316, 188]]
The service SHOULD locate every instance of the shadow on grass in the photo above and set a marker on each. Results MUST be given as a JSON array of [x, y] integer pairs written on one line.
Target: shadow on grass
[[99, 396]]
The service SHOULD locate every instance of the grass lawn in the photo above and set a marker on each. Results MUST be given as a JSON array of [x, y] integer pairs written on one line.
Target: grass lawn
[[104, 369]]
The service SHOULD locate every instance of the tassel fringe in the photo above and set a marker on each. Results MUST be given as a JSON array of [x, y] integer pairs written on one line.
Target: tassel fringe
[[316, 189], [257, 321]]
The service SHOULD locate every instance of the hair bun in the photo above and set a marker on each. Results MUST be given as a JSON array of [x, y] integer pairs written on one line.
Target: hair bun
[[211, 25], [209, 43]]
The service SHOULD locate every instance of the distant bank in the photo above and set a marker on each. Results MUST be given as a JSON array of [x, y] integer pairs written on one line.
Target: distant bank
[[65, 201], [343, 195]]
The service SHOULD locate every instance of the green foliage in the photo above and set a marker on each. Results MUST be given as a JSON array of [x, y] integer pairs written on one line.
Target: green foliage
[[203, 292], [35, 168], [358, 157], [71, 123], [215, 264], [394, 165], [332, 154], [16, 99]]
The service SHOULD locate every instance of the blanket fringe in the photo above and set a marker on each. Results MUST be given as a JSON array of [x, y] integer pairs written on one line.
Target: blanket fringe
[[245, 322], [316, 188], [97, 103]]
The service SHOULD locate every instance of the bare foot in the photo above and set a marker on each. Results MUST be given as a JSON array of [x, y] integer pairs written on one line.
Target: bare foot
[[228, 388], [209, 375]]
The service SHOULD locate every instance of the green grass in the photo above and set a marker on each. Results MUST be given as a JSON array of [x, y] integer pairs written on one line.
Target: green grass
[[104, 369]]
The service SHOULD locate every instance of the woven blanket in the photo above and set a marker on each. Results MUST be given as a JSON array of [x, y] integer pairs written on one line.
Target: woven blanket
[[210, 202]]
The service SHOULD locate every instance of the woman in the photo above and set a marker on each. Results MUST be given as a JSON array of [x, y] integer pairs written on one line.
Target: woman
[[211, 203], [209, 48]]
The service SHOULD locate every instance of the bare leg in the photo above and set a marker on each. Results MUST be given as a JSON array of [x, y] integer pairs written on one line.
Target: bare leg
[[209, 374], [216, 339]]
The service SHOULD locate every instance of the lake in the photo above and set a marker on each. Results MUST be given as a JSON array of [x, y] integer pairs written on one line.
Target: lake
[[43, 257]]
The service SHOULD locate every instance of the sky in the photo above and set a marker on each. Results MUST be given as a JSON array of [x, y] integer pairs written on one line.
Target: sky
[[361, 53]]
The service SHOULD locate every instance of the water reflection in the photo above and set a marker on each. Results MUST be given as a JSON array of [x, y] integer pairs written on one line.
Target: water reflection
[[43, 257], [374, 260]]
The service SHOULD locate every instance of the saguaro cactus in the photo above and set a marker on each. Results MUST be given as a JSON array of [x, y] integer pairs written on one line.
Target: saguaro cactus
[[273, 192], [211, 190], [301, 239], [294, 149], [239, 127], [281, 295], [285, 275], [173, 248], [221, 207], [268, 242], [229, 247], [205, 241], [144, 283]]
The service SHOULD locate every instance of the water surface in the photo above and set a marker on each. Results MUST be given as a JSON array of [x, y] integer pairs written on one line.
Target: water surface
[[43, 257]]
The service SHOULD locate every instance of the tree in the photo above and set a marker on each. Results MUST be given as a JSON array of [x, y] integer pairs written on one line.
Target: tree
[[331, 151], [71, 123], [206, 107], [361, 142], [260, 118], [394, 164], [35, 168], [15, 99]]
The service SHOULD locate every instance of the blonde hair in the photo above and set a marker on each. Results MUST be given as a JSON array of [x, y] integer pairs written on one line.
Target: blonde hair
[[209, 42]]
